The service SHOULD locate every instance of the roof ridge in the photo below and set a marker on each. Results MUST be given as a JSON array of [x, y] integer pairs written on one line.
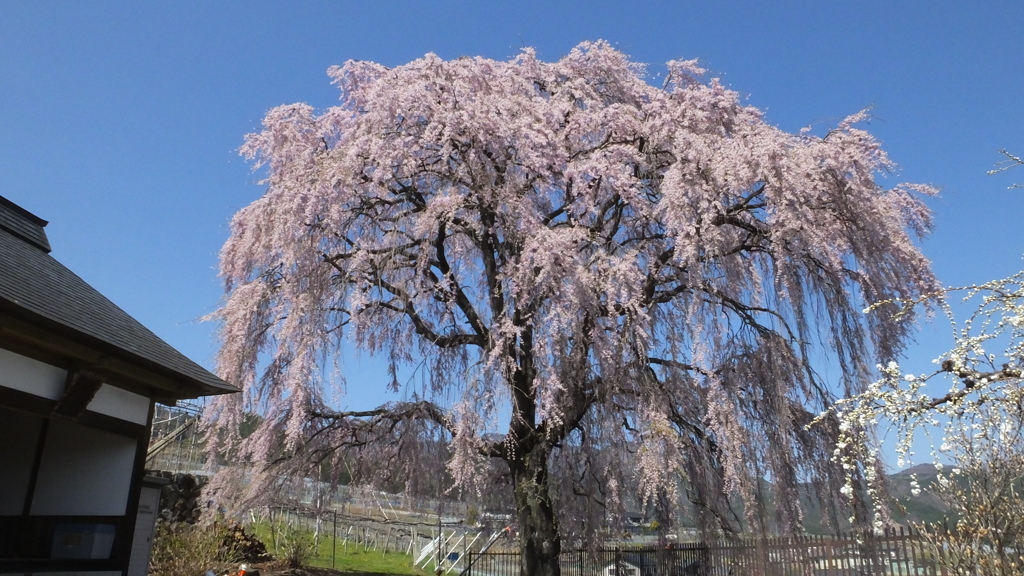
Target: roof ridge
[[23, 224]]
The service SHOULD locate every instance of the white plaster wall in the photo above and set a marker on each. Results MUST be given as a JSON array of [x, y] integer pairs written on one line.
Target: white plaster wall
[[19, 437], [83, 472], [113, 401], [32, 376]]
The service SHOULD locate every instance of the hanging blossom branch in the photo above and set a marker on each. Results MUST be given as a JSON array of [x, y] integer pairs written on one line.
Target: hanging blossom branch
[[333, 431], [384, 418], [984, 370]]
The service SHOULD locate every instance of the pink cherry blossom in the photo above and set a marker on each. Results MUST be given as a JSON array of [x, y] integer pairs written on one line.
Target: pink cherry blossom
[[633, 284]]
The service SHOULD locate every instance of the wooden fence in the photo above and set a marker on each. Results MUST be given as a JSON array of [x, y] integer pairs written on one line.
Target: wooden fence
[[893, 553]]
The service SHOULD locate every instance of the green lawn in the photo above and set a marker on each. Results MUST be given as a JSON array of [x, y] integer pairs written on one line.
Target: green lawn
[[371, 561], [329, 555]]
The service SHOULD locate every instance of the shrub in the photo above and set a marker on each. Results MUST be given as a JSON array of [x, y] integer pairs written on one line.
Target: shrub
[[985, 493], [181, 549], [296, 547]]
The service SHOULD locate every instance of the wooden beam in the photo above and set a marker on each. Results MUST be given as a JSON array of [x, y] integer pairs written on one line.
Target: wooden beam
[[80, 388]]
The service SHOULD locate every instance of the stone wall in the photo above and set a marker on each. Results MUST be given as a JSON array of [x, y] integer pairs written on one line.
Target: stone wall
[[181, 499]]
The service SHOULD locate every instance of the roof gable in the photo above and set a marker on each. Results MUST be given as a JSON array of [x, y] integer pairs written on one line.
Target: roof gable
[[40, 290]]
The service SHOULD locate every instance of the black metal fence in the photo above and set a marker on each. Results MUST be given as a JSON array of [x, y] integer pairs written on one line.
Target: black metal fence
[[894, 553]]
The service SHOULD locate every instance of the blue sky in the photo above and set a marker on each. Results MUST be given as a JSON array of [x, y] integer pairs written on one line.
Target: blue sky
[[120, 121]]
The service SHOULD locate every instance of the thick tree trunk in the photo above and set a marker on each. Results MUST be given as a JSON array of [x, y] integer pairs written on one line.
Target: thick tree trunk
[[539, 544]]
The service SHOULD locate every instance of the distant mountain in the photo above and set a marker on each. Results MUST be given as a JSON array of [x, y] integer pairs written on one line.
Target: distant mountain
[[925, 507], [906, 509]]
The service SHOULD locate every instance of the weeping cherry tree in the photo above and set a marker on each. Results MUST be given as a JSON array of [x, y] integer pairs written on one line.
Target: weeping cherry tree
[[616, 292]]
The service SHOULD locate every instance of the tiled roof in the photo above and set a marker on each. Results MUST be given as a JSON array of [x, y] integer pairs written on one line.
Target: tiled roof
[[35, 286]]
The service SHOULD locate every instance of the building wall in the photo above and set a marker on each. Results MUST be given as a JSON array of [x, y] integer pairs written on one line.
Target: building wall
[[83, 472], [61, 475], [112, 401], [32, 376]]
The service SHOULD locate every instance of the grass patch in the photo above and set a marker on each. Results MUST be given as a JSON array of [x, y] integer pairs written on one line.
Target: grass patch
[[370, 561], [282, 541]]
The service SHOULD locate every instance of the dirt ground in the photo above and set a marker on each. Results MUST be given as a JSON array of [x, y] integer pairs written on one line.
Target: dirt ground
[[276, 570], [314, 572]]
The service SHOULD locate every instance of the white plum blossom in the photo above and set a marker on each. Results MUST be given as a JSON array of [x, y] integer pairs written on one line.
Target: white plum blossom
[[983, 376]]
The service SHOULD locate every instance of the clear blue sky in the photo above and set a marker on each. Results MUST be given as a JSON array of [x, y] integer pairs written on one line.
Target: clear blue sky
[[119, 121]]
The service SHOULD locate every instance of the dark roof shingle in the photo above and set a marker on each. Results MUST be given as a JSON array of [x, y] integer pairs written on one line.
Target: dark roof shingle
[[23, 224]]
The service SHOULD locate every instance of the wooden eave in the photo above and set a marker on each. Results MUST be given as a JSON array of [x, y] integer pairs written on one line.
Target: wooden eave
[[59, 346]]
